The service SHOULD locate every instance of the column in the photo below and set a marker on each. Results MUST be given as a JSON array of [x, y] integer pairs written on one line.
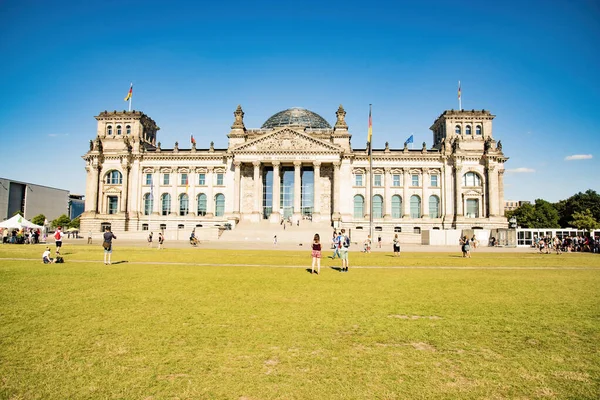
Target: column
[[210, 201], [458, 203], [387, 195], [257, 187], [500, 195], [91, 188], [336, 190], [405, 199], [297, 189], [125, 186], [156, 191], [191, 192], [174, 198], [425, 193], [317, 189], [236, 188], [368, 193], [276, 192]]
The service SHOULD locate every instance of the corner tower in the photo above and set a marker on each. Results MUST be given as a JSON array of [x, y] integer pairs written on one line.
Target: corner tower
[[122, 126], [472, 128]]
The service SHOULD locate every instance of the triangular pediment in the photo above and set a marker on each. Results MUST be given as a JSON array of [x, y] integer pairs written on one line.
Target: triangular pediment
[[473, 193], [112, 190], [287, 140]]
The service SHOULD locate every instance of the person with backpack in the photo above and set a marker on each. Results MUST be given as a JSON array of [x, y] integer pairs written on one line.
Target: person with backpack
[[58, 237], [161, 240], [337, 244], [108, 237], [396, 246], [345, 242]]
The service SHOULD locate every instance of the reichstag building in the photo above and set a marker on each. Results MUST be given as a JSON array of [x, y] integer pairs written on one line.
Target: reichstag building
[[296, 167]]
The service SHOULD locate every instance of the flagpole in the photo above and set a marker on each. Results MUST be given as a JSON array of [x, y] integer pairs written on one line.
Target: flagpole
[[370, 178], [130, 97], [459, 98]]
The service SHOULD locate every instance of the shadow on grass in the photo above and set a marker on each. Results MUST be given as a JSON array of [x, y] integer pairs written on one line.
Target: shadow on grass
[[120, 262], [338, 269]]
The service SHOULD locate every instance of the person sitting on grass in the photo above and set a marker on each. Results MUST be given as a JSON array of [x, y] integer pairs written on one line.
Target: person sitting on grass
[[46, 256]]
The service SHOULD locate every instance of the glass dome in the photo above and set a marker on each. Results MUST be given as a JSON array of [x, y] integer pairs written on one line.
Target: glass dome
[[296, 116]]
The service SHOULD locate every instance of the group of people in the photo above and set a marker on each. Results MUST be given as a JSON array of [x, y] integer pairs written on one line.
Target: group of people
[[340, 243], [546, 244], [20, 236], [161, 239], [58, 238]]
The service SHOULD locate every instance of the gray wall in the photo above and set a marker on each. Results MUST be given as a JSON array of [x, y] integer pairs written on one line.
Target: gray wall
[[4, 184], [39, 199]]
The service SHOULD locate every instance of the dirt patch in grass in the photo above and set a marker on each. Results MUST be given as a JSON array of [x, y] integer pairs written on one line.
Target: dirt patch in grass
[[171, 377], [573, 376], [412, 317], [422, 346], [545, 392]]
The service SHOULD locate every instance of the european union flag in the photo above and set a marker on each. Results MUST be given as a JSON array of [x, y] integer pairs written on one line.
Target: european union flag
[[409, 140]]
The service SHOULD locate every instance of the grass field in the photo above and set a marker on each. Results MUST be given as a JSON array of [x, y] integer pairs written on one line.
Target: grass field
[[229, 324]]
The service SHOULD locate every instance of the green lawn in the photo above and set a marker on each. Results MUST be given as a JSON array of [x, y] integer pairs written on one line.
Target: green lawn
[[230, 324]]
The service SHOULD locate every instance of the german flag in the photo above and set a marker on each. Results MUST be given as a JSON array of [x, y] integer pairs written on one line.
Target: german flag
[[130, 93]]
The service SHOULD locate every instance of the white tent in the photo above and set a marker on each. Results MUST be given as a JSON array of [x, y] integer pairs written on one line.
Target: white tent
[[18, 222]]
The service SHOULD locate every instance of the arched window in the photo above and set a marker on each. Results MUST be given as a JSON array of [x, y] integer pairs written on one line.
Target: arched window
[[457, 129], [148, 204], [219, 205], [165, 201], [471, 179], [478, 130], [396, 206], [468, 130], [128, 129], [118, 129], [415, 206], [359, 206], [434, 206], [184, 204], [201, 205], [377, 206], [114, 177], [109, 129]]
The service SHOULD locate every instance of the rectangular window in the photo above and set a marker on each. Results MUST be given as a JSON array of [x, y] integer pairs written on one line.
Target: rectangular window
[[472, 208], [396, 180], [358, 180], [415, 180], [377, 180], [219, 179], [184, 179], [166, 179], [434, 180], [148, 179], [201, 179], [113, 203]]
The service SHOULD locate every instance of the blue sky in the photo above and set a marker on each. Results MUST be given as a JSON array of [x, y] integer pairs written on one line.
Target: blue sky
[[533, 64]]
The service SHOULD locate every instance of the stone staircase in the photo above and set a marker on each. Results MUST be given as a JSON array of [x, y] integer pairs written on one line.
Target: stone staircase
[[264, 232]]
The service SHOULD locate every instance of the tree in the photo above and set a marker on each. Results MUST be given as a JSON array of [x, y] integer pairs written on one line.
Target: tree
[[584, 220], [39, 219], [546, 215], [63, 221], [75, 223], [590, 200], [525, 215]]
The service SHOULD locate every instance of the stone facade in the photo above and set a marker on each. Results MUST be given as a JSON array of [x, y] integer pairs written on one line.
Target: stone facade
[[134, 184]]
